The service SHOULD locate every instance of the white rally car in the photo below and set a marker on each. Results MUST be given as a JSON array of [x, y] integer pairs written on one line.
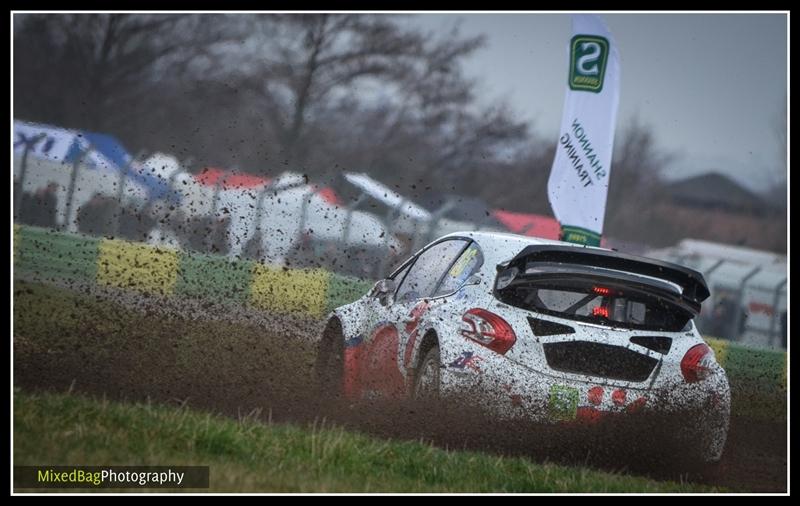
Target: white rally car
[[534, 329]]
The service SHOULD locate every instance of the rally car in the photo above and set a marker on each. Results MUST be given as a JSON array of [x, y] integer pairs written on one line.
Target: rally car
[[535, 329]]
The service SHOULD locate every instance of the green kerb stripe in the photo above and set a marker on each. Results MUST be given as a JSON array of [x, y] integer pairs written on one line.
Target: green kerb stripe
[[47, 254], [344, 290], [214, 278]]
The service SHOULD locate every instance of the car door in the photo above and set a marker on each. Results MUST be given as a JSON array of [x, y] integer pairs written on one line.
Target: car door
[[383, 371]]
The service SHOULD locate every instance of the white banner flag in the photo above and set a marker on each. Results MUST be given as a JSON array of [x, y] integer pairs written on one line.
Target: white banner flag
[[578, 184]]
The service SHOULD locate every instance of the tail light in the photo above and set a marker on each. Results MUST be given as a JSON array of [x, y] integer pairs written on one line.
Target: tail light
[[488, 329], [697, 363], [601, 290]]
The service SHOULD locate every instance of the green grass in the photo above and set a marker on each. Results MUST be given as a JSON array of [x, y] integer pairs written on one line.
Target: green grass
[[248, 455]]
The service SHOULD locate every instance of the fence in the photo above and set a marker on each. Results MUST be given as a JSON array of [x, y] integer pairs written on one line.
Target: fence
[[748, 302], [283, 221]]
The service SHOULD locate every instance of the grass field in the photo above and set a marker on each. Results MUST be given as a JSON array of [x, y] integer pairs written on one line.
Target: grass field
[[249, 455]]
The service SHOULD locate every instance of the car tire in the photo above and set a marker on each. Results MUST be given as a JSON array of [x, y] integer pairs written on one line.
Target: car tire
[[713, 434], [427, 377], [329, 365], [702, 440]]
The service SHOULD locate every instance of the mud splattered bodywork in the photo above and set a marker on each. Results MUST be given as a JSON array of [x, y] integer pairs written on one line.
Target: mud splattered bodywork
[[539, 330]]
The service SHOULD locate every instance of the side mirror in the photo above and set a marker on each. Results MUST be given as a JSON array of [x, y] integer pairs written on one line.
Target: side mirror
[[384, 291]]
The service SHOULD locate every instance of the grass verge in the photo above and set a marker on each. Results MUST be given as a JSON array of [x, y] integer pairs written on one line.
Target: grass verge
[[247, 455]]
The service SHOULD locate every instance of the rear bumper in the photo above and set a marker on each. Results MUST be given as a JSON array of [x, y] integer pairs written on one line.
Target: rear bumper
[[509, 390]]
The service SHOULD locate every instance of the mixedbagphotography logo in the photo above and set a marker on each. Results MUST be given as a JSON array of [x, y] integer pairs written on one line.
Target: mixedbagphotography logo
[[588, 59], [174, 477]]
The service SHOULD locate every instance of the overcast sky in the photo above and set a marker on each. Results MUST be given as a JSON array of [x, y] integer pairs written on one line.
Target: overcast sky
[[711, 85]]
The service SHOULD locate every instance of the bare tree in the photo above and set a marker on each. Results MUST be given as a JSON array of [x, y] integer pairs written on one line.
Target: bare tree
[[306, 64], [635, 184], [97, 68]]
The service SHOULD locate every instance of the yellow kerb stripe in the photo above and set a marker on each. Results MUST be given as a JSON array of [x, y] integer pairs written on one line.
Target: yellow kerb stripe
[[720, 347], [289, 291], [137, 266]]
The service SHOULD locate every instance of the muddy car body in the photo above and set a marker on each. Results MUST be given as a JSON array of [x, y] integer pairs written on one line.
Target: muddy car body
[[534, 329]]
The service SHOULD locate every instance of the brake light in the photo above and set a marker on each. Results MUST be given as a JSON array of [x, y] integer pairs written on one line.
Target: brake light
[[602, 290], [600, 311], [488, 329], [697, 363]]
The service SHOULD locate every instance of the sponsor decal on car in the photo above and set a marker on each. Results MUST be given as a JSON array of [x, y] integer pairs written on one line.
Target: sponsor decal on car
[[416, 314], [458, 269], [467, 360], [618, 397], [355, 341], [412, 329], [563, 403]]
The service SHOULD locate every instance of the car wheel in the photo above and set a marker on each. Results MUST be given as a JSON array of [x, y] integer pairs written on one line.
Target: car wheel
[[329, 366], [712, 444], [713, 433], [426, 382], [701, 440]]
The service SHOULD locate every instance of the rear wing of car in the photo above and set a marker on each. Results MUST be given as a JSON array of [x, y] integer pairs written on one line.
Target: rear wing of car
[[556, 258]]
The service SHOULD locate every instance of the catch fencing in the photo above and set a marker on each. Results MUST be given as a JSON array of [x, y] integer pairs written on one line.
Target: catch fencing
[[282, 221]]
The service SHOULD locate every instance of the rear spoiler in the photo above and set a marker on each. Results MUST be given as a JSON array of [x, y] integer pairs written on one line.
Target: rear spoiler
[[692, 282]]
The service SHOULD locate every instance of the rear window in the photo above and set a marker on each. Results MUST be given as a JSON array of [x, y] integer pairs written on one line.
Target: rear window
[[610, 304]]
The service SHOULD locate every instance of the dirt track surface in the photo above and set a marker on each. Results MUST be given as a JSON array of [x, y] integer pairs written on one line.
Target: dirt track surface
[[235, 361]]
